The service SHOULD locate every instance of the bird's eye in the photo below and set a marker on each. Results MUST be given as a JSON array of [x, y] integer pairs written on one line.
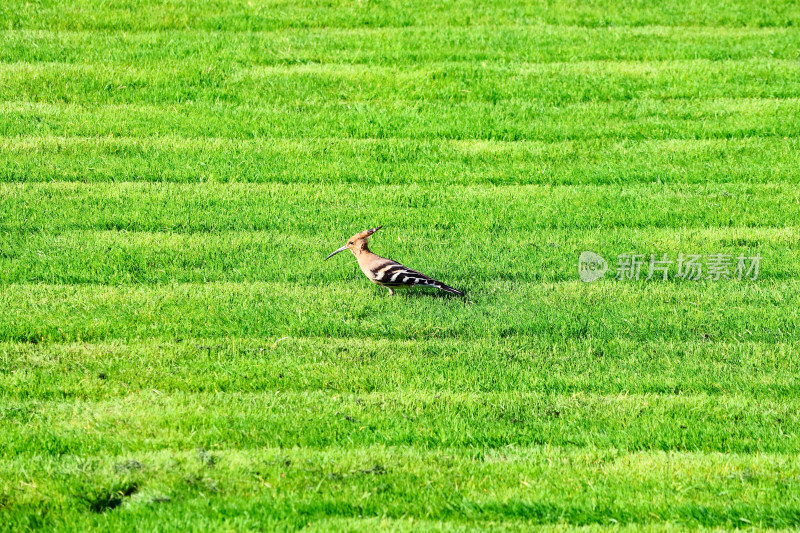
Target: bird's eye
[[350, 243]]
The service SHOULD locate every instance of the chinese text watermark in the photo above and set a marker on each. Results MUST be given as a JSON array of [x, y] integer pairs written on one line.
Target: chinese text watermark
[[662, 267]]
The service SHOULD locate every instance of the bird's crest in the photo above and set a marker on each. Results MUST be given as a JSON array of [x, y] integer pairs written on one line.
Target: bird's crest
[[366, 233]]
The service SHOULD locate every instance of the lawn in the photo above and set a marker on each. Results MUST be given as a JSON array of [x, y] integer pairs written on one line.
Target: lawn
[[175, 355]]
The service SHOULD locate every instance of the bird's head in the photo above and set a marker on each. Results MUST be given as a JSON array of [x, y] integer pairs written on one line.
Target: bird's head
[[356, 243]]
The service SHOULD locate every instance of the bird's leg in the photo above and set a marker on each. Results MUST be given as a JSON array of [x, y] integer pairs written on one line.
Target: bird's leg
[[391, 292]]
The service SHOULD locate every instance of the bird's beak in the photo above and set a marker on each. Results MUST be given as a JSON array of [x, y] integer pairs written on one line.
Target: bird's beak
[[342, 249]]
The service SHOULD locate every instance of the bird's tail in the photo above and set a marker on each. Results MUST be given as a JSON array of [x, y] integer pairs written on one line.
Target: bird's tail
[[441, 286]]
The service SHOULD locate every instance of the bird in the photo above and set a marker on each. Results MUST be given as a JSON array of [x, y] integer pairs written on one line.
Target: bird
[[386, 272]]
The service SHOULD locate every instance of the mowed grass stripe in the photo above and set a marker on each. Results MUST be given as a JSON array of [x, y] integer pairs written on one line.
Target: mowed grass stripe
[[607, 366], [334, 212], [720, 118], [169, 82], [152, 421], [513, 255], [233, 15], [717, 311], [398, 46], [515, 488], [396, 161]]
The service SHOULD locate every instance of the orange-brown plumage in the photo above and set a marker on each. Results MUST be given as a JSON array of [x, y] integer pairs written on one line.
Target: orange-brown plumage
[[386, 272]]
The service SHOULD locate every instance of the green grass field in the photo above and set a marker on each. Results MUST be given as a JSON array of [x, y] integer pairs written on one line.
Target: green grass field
[[175, 355]]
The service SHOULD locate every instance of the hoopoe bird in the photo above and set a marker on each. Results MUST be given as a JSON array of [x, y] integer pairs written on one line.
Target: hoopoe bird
[[385, 272]]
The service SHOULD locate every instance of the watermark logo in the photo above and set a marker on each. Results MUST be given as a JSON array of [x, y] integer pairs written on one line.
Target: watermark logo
[[591, 267], [690, 267]]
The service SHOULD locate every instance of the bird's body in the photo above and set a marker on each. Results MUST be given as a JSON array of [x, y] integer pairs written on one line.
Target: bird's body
[[386, 272]]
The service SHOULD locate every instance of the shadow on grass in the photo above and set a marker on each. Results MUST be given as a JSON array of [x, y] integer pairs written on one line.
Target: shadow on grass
[[106, 499]]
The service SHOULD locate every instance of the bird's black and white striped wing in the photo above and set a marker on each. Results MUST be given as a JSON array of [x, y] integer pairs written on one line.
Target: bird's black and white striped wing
[[392, 274]]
